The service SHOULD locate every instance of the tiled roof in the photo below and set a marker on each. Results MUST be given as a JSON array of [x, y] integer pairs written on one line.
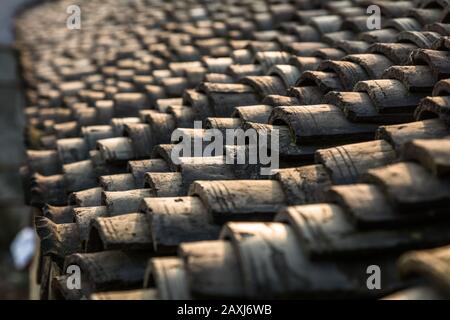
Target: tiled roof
[[364, 147]]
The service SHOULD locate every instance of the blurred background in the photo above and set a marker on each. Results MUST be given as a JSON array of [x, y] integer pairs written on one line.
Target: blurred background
[[14, 216]]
